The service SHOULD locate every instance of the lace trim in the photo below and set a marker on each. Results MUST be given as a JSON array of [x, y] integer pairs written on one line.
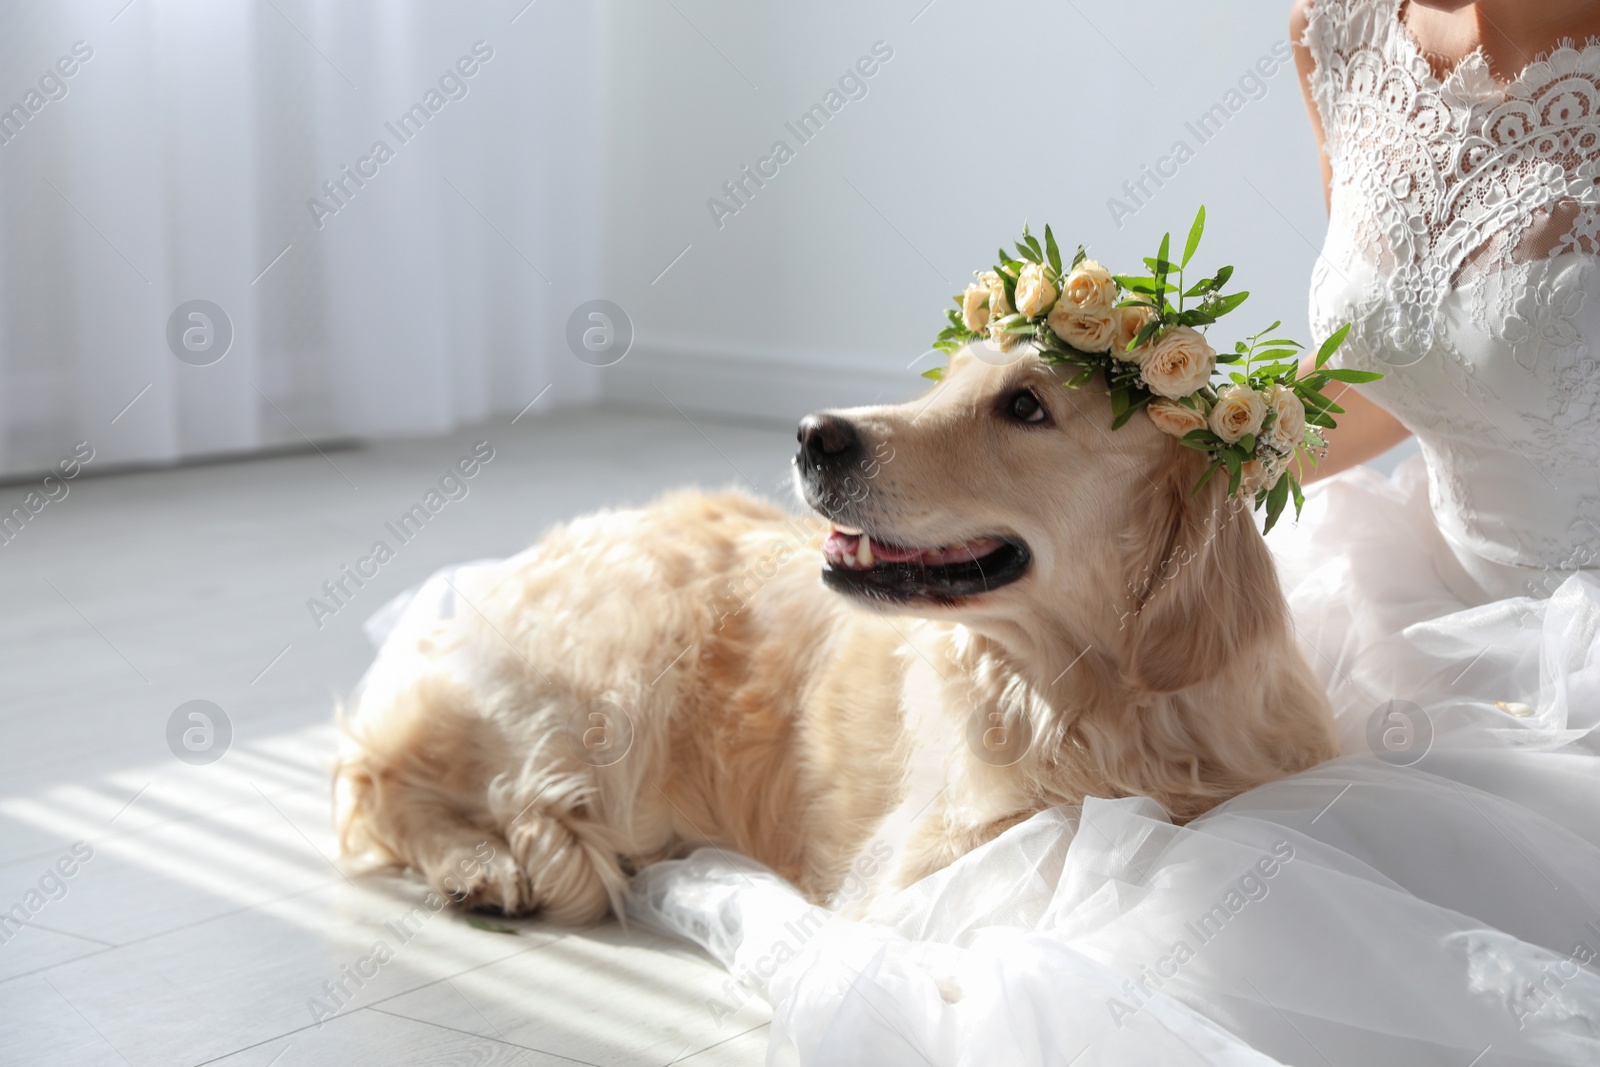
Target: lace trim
[[1461, 183]]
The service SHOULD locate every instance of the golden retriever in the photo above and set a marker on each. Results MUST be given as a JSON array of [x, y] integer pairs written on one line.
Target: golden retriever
[[1018, 606]]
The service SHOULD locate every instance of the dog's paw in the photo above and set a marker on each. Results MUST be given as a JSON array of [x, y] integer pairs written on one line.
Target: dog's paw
[[486, 877], [565, 879]]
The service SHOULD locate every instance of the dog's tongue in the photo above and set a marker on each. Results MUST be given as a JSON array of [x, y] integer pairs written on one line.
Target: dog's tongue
[[859, 551]]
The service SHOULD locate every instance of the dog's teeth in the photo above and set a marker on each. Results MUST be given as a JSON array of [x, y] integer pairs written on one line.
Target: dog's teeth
[[848, 531], [864, 551]]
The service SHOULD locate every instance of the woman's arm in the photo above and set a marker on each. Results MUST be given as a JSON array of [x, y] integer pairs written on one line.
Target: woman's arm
[[1365, 429]]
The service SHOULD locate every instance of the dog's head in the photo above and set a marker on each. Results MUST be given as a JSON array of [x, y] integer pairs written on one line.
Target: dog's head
[[1004, 500]]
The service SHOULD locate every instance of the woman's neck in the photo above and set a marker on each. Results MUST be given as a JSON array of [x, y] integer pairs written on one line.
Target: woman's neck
[[1511, 33]]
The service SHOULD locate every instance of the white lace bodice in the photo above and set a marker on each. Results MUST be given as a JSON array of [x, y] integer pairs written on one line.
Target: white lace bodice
[[1462, 246]]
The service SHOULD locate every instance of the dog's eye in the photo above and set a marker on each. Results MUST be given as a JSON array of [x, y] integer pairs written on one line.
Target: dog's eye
[[1025, 407]]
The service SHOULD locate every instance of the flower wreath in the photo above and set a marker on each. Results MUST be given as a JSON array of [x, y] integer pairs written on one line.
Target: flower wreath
[[1257, 425]]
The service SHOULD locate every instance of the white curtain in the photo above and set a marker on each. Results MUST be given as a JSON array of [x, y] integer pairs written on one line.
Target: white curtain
[[159, 152]]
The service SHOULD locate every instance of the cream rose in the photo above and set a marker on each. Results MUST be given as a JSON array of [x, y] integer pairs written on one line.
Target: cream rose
[[1289, 429], [975, 307], [1090, 287], [1036, 291], [1087, 331], [998, 304], [997, 330], [1239, 410], [1173, 418], [1130, 320], [1178, 364]]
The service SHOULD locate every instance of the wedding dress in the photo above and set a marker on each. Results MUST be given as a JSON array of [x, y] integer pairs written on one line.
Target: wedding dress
[[1433, 896]]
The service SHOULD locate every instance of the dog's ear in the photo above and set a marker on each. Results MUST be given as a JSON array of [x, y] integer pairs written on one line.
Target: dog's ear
[[1201, 587]]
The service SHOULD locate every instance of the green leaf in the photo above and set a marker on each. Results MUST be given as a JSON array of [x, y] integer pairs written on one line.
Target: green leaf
[[1299, 497], [1194, 236], [1079, 256], [1161, 268], [1145, 333], [1227, 303], [1331, 345], [1027, 253], [1052, 252], [1133, 409], [1277, 497], [1202, 437], [935, 374], [1354, 377], [493, 928], [1204, 478], [1271, 372], [1009, 283], [1222, 276], [1231, 460]]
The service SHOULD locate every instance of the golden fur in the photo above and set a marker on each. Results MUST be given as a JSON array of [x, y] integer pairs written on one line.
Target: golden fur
[[1147, 651]]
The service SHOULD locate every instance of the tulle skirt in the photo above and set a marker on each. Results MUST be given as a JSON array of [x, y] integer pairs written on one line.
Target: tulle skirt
[[1432, 897]]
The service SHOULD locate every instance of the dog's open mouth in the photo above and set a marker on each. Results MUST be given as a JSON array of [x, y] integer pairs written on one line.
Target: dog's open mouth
[[859, 563]]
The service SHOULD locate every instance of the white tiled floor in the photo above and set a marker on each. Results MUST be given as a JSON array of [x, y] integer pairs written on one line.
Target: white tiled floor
[[211, 912]]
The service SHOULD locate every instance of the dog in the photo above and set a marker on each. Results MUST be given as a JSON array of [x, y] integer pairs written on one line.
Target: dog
[[999, 604]]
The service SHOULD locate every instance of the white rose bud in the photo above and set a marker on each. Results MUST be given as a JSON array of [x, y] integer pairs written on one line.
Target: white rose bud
[[1179, 364], [1087, 331], [1036, 291], [1239, 410], [975, 307], [1289, 429], [1173, 418], [1090, 287], [1130, 320]]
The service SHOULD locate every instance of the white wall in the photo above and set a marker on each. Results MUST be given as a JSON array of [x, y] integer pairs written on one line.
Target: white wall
[[181, 160], [818, 293]]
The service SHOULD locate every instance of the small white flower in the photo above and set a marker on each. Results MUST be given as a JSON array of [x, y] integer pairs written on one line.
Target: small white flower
[[1260, 473]]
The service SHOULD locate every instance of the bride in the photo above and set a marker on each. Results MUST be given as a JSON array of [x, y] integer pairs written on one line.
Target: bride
[[1433, 897]]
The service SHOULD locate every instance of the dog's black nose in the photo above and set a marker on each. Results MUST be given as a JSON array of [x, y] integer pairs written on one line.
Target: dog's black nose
[[828, 441]]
